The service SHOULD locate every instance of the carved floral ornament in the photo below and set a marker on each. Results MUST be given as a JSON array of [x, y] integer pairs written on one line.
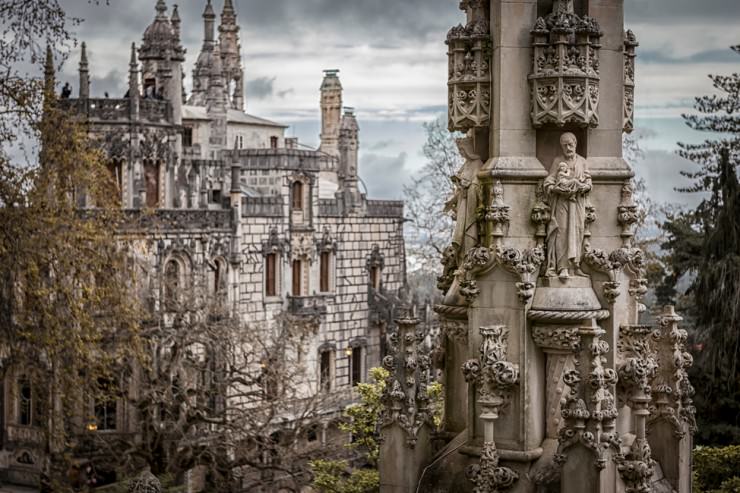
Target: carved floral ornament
[[273, 244], [375, 259], [631, 259], [525, 264], [154, 145]]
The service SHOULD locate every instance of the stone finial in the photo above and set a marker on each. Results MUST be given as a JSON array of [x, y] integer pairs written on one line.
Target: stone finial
[[161, 8], [49, 80], [84, 73], [175, 20]]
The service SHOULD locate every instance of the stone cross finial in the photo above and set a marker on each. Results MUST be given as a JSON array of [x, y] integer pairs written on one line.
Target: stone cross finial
[[161, 9]]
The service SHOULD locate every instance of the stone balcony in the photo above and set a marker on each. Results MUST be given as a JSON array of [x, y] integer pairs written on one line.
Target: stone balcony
[[178, 219], [307, 306], [115, 110]]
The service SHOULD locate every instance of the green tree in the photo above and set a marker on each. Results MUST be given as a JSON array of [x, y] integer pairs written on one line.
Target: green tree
[[705, 245]]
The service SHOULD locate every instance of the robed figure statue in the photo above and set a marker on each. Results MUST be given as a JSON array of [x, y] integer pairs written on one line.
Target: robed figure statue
[[566, 188], [463, 204]]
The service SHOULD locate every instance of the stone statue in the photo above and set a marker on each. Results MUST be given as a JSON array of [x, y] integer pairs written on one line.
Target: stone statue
[[566, 189], [464, 201]]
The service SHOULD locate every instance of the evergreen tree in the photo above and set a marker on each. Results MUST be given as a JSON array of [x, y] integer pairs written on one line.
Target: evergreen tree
[[705, 243]]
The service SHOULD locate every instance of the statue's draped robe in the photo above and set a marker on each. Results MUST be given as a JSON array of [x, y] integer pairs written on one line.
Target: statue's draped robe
[[467, 193], [568, 214]]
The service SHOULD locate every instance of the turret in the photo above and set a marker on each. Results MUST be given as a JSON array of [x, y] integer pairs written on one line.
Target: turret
[[216, 105], [348, 151], [84, 73], [202, 68], [228, 38], [331, 111]]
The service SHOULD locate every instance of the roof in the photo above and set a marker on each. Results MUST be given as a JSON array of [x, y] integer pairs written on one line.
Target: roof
[[234, 116]]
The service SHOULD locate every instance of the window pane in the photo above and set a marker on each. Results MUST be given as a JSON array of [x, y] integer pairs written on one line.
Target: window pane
[[270, 288], [297, 277], [356, 365], [25, 402], [324, 278]]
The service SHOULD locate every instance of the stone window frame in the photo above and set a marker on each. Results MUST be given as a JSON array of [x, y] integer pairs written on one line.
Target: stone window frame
[[328, 385], [305, 213], [185, 270], [114, 402], [273, 246], [374, 264], [357, 347], [218, 285], [327, 248]]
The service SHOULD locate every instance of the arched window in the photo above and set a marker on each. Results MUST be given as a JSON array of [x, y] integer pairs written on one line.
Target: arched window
[[151, 177], [296, 195], [171, 283], [25, 402]]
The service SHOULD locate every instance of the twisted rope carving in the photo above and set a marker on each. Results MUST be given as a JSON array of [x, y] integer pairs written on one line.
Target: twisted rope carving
[[551, 316]]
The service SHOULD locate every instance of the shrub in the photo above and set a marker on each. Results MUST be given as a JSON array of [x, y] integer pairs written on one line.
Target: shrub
[[717, 469]]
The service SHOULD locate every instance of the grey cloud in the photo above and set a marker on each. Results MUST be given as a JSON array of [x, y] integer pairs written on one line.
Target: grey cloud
[[671, 11], [282, 94], [380, 145], [384, 175], [710, 56], [661, 171], [261, 87]]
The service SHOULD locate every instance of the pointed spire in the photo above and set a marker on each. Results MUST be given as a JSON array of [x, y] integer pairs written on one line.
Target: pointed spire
[[209, 17], [175, 21], [133, 74], [84, 73], [49, 71], [228, 15]]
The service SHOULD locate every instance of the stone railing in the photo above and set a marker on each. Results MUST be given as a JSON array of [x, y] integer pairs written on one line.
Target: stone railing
[[329, 208], [107, 109], [275, 159], [307, 306], [269, 206], [178, 219], [385, 208]]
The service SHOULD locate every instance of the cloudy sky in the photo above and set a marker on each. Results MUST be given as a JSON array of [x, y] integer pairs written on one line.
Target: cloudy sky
[[393, 68]]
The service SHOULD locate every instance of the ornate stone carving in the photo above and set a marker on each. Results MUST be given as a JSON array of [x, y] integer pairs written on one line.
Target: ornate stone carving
[[636, 372], [494, 379], [375, 259], [449, 267], [154, 145], [405, 399], [565, 76], [540, 214], [673, 390], [273, 244], [631, 258], [589, 410], [566, 189], [456, 329], [559, 338], [526, 265], [627, 211], [498, 212], [469, 73], [488, 476], [327, 243], [116, 146], [475, 260], [630, 43]]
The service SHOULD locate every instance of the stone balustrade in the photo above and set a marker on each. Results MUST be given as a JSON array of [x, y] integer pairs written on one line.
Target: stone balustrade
[[107, 109], [178, 219]]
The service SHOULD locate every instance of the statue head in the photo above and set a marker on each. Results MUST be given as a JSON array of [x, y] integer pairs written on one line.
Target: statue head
[[568, 143], [465, 146]]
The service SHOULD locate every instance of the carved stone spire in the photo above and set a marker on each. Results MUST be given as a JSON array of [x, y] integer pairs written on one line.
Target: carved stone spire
[[228, 38], [175, 21], [161, 9], [84, 73], [209, 18], [133, 83], [49, 79]]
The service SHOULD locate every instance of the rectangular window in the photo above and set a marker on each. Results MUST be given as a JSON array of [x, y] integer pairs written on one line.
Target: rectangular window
[[271, 275], [106, 406], [187, 137], [326, 371], [273, 142], [325, 265], [356, 365], [216, 196], [297, 275]]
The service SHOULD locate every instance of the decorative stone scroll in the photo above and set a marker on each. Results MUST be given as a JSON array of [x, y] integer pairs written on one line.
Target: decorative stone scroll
[[628, 213], [405, 399], [630, 43], [469, 74], [494, 380], [565, 77]]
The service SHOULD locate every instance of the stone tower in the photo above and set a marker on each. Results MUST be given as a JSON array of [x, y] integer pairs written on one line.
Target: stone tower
[[202, 68], [553, 382], [162, 55], [331, 112], [228, 39]]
